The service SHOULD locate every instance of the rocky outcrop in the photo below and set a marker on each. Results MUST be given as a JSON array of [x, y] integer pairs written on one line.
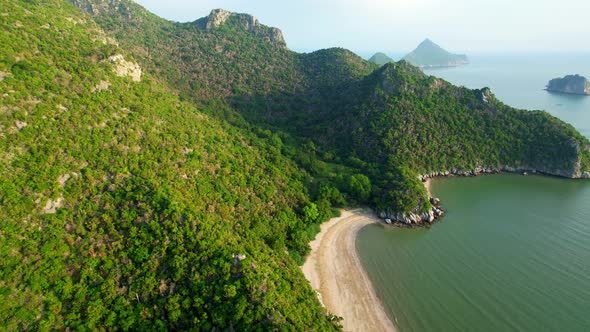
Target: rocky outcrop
[[570, 84], [458, 172], [20, 125], [4, 75], [574, 172], [486, 95], [123, 67], [102, 7], [219, 17], [238, 258], [51, 205], [414, 219], [101, 86]]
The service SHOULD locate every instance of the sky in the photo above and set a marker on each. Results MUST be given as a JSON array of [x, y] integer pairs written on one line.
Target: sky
[[398, 26]]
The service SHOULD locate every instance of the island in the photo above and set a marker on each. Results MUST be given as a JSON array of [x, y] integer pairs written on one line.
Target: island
[[430, 55], [570, 84], [380, 59]]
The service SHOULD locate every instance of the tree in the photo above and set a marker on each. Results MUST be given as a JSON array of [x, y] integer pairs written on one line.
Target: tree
[[359, 186], [310, 213]]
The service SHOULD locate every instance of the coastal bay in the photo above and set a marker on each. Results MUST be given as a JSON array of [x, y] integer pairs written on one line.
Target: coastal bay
[[510, 257]]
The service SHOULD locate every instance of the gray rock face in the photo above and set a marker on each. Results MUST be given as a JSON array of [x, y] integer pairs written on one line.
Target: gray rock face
[[51, 206], [219, 17], [123, 67], [4, 75], [276, 38], [101, 7], [486, 95], [238, 258], [571, 84], [423, 219]]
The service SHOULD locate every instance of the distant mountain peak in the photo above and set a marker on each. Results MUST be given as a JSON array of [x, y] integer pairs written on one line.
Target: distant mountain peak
[[430, 54], [219, 17], [427, 41], [428, 46], [380, 58]]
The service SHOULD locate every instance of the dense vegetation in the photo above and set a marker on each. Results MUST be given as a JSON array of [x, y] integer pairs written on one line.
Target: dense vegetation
[[123, 207], [335, 111], [187, 199]]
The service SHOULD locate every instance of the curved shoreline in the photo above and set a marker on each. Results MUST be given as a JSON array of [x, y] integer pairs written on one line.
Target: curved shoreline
[[336, 273]]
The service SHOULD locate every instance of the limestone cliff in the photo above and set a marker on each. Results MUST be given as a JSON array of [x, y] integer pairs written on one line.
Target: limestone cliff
[[571, 84], [219, 17], [102, 7]]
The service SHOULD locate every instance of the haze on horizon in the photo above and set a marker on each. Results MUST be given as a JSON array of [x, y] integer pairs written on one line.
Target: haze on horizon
[[398, 26]]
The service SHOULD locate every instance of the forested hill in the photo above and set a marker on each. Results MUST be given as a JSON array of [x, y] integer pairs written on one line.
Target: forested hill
[[123, 207], [160, 175], [333, 96], [380, 59]]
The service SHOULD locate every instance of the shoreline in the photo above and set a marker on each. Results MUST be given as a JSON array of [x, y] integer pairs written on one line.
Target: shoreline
[[335, 272], [428, 186]]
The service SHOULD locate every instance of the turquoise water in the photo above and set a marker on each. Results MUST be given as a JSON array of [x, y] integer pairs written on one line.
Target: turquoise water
[[512, 254], [519, 82]]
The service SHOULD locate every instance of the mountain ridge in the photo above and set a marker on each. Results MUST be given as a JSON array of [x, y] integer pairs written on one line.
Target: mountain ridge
[[296, 89], [186, 196], [124, 207]]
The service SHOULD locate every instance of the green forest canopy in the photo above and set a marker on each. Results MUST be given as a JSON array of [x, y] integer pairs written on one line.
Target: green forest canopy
[[188, 198]]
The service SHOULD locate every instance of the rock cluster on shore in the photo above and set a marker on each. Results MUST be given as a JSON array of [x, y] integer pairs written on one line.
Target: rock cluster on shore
[[506, 169], [425, 218], [457, 172], [435, 213]]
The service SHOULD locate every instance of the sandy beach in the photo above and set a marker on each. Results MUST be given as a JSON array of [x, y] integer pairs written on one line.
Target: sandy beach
[[335, 271], [428, 185]]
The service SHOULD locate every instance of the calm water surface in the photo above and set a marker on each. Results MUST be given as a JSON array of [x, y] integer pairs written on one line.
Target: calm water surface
[[512, 254]]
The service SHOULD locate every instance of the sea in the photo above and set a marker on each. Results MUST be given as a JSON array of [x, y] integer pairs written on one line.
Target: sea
[[513, 252]]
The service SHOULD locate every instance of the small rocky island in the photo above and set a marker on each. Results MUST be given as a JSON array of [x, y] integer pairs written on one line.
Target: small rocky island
[[571, 84]]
